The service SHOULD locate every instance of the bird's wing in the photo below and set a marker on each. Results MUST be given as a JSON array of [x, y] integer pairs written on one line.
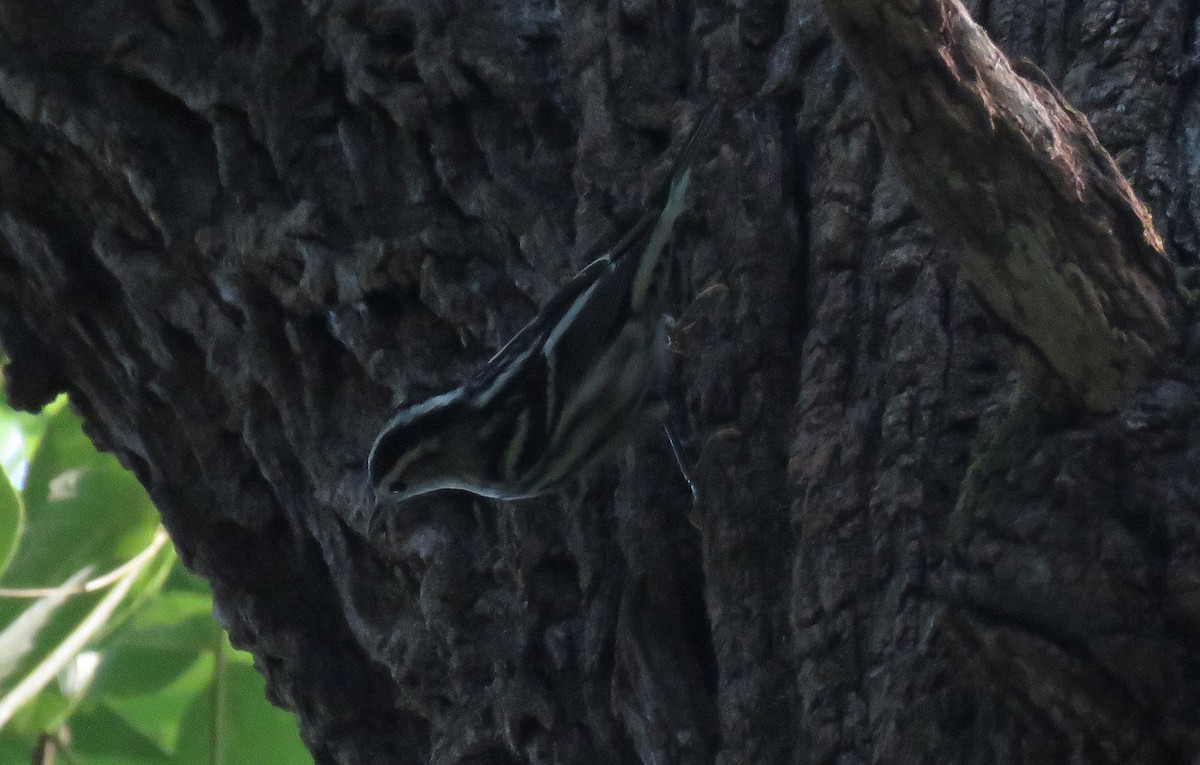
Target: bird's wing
[[589, 310], [512, 358]]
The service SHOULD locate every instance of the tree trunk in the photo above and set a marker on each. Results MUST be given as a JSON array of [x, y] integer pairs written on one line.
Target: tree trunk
[[239, 234]]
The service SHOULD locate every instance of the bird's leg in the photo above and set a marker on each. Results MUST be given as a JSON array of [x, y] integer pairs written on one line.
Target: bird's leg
[[671, 403], [677, 451]]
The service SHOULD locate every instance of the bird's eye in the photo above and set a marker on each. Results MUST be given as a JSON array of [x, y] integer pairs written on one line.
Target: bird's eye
[[399, 487]]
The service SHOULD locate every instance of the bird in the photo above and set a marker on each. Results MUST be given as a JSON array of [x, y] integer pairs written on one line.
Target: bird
[[569, 387]]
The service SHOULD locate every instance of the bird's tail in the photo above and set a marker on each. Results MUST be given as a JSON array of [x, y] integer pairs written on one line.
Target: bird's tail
[[663, 220]]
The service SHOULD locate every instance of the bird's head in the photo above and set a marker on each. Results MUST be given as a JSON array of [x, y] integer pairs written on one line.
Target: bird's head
[[425, 448]]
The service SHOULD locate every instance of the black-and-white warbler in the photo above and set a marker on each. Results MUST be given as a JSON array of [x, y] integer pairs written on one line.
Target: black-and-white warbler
[[583, 373]]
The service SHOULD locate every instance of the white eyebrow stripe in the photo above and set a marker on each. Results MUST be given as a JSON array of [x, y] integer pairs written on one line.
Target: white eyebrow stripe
[[568, 318], [517, 444], [514, 366], [404, 463]]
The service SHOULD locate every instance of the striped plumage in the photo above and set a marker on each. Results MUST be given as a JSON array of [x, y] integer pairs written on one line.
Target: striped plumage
[[562, 393]]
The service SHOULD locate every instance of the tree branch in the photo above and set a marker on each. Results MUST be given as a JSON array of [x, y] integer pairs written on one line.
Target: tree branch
[[1054, 240]]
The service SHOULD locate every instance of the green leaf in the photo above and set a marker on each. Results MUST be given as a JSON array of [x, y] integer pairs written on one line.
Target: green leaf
[[100, 737], [160, 679], [46, 712], [84, 634], [172, 621], [12, 523], [158, 662], [149, 584], [252, 732], [81, 508], [62, 622], [161, 643], [135, 670], [258, 731], [18, 638], [182, 580], [159, 714], [15, 749], [177, 617], [20, 433]]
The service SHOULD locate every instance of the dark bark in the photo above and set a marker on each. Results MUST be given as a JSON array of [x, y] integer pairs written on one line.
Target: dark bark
[[1054, 240], [237, 234]]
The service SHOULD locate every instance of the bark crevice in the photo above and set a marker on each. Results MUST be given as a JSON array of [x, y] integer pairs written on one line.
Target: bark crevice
[[362, 203]]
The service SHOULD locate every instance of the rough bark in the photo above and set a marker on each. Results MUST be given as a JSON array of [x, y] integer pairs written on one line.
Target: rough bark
[[1054, 240], [238, 234]]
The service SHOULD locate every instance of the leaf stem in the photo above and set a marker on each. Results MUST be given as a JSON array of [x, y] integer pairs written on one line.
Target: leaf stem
[[99, 583], [91, 625]]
